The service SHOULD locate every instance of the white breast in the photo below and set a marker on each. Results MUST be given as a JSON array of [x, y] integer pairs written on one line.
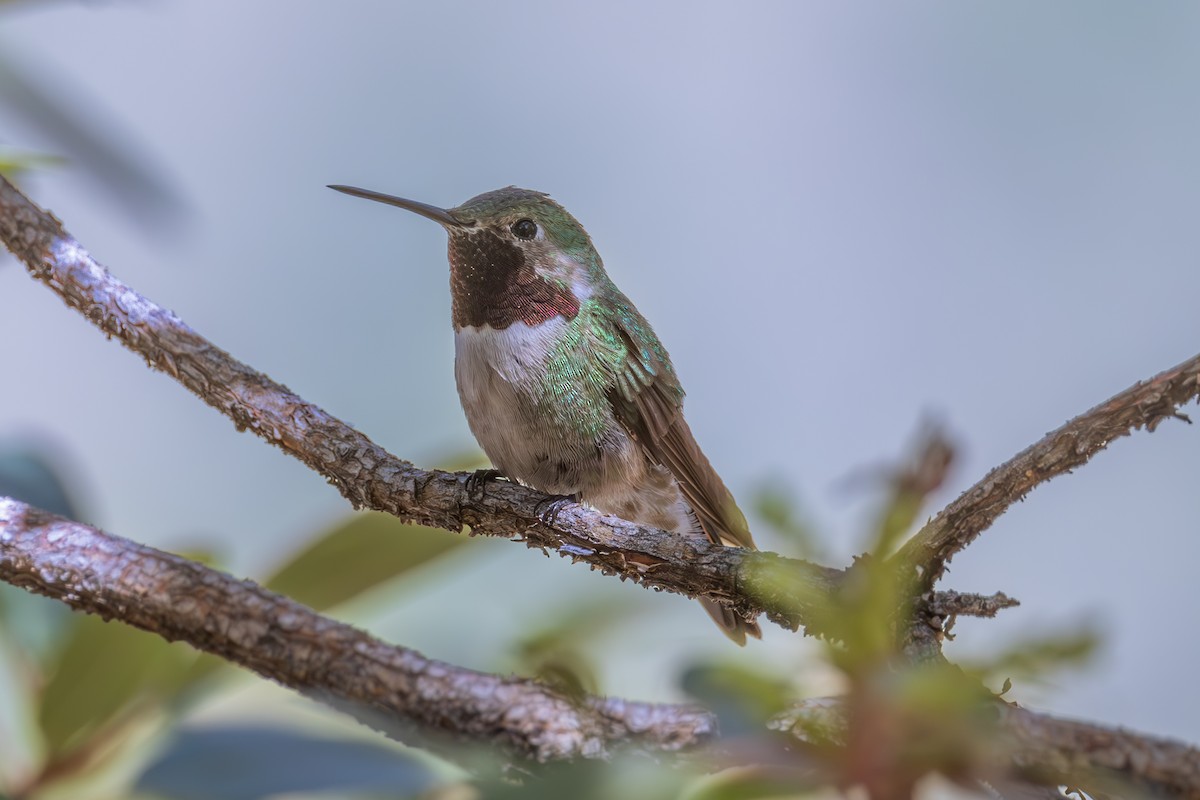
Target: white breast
[[516, 354], [499, 376]]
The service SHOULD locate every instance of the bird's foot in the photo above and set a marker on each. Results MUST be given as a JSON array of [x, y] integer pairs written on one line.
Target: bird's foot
[[477, 483], [549, 509]]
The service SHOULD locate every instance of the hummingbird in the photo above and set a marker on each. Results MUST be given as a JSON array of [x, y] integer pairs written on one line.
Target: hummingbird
[[564, 384]]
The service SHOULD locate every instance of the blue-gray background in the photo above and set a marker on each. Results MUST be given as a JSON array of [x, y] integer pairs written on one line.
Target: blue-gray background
[[841, 219]]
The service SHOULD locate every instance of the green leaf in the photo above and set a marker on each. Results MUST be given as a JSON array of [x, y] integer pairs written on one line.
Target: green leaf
[[1032, 658], [777, 506], [755, 783], [743, 698], [15, 162], [556, 651], [106, 670], [361, 552], [466, 461], [249, 763], [33, 472]]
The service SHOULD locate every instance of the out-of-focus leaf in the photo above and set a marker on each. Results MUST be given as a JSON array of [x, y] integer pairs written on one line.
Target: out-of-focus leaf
[[778, 508], [34, 624], [631, 778], [754, 783], [742, 698], [257, 762], [574, 625], [1032, 658], [103, 671], [911, 484], [463, 462], [21, 746], [361, 552], [90, 138], [28, 473], [14, 162], [555, 651]]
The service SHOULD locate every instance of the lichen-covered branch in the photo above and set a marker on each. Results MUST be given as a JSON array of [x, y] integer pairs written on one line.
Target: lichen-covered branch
[[1143, 405], [280, 639]]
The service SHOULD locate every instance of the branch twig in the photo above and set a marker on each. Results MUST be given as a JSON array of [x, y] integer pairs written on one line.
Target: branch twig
[[1143, 405]]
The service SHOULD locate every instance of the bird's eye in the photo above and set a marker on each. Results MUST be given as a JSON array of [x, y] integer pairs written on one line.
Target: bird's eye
[[524, 229]]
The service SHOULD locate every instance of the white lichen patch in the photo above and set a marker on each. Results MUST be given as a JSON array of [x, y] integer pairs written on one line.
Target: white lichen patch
[[9, 509], [68, 252]]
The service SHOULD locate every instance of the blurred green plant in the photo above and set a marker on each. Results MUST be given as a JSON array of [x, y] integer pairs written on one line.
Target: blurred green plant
[[85, 694], [900, 719], [556, 650], [76, 128], [85, 700], [14, 162], [776, 505]]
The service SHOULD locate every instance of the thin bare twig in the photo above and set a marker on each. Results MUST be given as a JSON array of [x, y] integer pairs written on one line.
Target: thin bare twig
[[1143, 405], [969, 604], [280, 639]]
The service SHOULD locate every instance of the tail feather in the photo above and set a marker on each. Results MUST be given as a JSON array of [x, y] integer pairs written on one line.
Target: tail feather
[[733, 625]]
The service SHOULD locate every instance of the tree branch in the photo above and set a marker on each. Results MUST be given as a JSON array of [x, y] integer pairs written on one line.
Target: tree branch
[[1046, 749], [1143, 405], [291, 644], [1068, 750]]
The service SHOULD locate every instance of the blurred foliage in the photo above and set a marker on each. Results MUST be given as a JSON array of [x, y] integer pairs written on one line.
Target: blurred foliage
[[96, 686], [901, 719], [104, 671], [358, 554], [776, 505], [743, 698], [247, 763], [73, 128], [14, 162], [90, 697], [31, 472], [555, 650]]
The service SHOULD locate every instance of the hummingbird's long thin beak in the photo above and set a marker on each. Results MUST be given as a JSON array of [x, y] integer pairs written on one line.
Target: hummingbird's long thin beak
[[438, 215]]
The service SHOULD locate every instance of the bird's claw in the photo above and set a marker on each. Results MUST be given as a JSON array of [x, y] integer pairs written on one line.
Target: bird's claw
[[549, 509], [476, 485]]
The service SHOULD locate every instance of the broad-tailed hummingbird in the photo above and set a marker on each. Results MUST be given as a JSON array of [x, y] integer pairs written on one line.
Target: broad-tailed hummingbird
[[564, 384]]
